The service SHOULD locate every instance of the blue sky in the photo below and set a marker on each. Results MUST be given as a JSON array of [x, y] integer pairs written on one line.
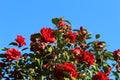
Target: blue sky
[[29, 16]]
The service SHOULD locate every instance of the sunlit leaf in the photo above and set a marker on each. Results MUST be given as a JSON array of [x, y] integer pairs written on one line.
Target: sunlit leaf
[[38, 61], [50, 49], [4, 49]]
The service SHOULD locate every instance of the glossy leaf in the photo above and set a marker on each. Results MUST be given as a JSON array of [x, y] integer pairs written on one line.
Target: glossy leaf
[[13, 43], [97, 36], [55, 21], [25, 48], [68, 22]]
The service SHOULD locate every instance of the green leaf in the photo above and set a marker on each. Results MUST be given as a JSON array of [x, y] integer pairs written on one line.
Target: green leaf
[[86, 78], [24, 48], [90, 72], [66, 78], [55, 21], [97, 36], [68, 22], [4, 49], [13, 43], [43, 77], [105, 66], [75, 30], [95, 67], [38, 61], [109, 55], [32, 55], [115, 74], [41, 63], [17, 62], [50, 49], [2, 55]]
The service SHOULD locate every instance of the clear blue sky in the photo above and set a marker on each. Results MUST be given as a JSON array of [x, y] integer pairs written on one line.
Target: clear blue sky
[[29, 16]]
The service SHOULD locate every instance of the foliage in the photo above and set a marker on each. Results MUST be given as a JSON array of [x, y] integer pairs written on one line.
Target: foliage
[[59, 54]]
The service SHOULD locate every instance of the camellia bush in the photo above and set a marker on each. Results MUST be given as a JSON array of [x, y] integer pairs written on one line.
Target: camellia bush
[[62, 53]]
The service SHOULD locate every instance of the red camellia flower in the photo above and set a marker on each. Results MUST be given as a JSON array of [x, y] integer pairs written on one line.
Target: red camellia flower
[[65, 70], [59, 71], [70, 68], [100, 76], [47, 35], [12, 54], [89, 58], [83, 56], [71, 36], [78, 54], [20, 40], [77, 51], [116, 55]]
